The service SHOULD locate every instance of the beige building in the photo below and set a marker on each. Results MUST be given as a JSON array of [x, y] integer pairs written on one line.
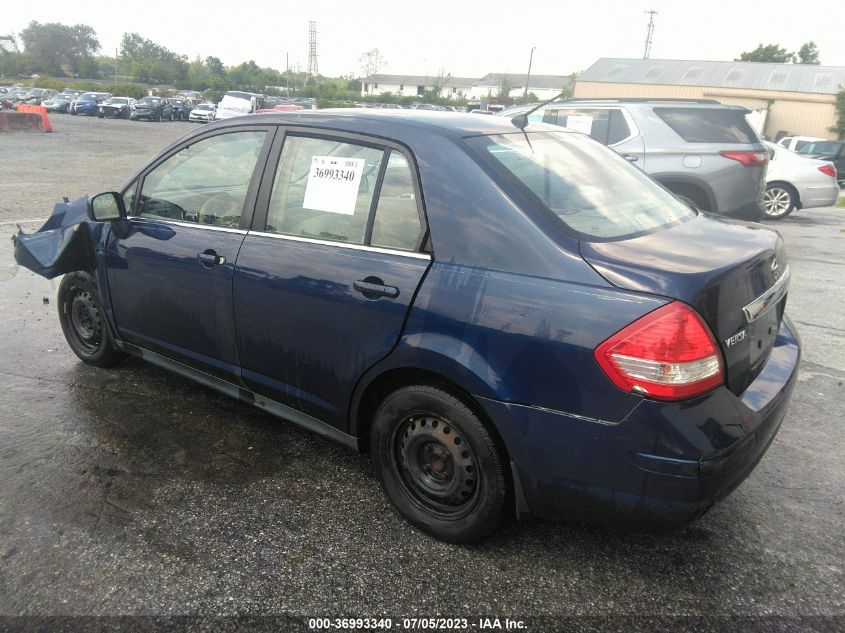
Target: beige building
[[796, 98]]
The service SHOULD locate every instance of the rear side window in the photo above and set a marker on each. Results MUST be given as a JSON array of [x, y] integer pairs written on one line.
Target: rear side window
[[607, 126], [324, 189], [708, 125], [397, 221]]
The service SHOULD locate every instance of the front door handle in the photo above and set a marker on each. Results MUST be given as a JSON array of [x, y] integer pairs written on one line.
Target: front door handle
[[373, 288], [210, 259], [631, 158]]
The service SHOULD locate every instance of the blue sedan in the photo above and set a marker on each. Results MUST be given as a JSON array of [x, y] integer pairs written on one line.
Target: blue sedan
[[513, 322]]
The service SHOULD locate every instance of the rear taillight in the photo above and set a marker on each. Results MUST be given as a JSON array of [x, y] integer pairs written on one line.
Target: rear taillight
[[668, 354], [828, 170], [749, 158]]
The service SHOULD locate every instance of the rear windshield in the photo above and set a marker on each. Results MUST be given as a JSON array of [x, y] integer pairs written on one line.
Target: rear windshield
[[821, 147], [593, 191], [708, 125]]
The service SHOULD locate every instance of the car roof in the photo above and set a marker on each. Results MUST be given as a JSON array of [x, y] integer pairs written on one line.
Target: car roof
[[396, 124]]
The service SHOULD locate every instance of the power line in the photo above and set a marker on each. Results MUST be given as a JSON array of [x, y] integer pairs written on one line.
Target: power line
[[649, 34]]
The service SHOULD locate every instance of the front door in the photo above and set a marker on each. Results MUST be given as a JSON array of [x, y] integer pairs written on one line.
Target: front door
[[170, 276], [322, 290]]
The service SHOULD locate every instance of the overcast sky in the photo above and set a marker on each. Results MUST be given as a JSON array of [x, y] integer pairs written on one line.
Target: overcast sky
[[464, 38]]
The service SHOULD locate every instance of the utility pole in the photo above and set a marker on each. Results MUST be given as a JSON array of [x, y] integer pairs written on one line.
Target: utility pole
[[528, 76], [287, 74], [650, 33], [115, 68]]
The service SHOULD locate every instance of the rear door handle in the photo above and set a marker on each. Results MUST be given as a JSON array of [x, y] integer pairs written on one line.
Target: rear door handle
[[210, 259], [373, 288]]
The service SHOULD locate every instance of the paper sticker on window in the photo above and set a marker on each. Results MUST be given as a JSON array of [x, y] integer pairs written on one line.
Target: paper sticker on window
[[580, 123], [333, 184]]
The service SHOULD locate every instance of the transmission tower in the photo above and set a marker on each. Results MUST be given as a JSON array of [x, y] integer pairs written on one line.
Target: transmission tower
[[8, 43], [312, 49], [649, 34]]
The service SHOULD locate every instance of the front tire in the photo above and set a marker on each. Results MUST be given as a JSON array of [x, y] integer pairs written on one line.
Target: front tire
[[779, 200], [83, 321], [438, 464]]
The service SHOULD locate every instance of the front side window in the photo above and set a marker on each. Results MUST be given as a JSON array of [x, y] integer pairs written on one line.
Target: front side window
[[324, 189], [205, 182], [590, 189]]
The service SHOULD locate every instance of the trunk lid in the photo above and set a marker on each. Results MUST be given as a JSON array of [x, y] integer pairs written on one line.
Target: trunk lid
[[735, 274]]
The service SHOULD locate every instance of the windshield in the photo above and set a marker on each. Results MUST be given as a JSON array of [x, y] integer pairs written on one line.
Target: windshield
[[205, 106], [820, 147], [117, 101], [150, 101], [88, 96], [590, 188]]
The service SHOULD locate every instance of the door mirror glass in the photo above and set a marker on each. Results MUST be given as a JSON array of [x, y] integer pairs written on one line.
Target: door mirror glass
[[106, 206]]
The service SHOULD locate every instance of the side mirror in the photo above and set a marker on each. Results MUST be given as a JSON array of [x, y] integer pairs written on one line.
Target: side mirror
[[106, 206]]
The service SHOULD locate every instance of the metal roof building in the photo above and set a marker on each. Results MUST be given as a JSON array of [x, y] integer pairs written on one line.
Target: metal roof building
[[797, 98]]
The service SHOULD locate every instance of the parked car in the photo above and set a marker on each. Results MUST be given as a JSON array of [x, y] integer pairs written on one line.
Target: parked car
[[203, 113], [116, 107], [88, 103], [236, 103], [37, 95], [796, 143], [510, 321], [181, 108], [833, 151], [152, 109], [795, 182], [57, 103], [701, 150]]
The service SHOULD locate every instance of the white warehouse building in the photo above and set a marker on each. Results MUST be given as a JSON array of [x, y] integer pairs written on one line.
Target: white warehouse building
[[543, 86]]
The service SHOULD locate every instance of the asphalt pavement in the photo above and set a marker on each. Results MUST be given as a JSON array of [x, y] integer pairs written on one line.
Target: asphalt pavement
[[134, 492]]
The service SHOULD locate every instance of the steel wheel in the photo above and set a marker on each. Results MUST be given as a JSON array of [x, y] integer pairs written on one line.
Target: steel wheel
[[85, 320], [435, 466], [778, 201]]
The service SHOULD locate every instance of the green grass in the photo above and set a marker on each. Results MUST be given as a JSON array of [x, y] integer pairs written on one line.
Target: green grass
[[840, 202]]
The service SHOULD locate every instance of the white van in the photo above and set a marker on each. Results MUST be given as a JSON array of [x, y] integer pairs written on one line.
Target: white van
[[236, 103]]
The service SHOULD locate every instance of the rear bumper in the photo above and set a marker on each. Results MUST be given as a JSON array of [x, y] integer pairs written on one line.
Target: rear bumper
[[818, 195], [664, 464]]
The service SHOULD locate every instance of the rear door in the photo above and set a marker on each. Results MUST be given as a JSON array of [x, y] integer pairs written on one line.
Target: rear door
[[323, 286]]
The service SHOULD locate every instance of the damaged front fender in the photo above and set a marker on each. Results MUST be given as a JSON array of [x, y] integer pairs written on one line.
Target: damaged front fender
[[64, 244]]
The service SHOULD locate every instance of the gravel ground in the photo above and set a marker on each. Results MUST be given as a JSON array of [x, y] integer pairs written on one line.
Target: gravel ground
[[135, 492]]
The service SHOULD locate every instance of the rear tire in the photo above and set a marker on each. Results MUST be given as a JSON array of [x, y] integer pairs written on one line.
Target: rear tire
[[83, 321], [438, 464], [779, 200]]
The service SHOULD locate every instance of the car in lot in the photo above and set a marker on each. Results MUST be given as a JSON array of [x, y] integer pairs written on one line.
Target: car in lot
[[181, 108], [152, 109], [796, 143], [238, 103], [37, 95], [701, 150], [203, 113], [57, 103], [833, 151], [88, 103], [795, 182], [116, 107], [512, 321]]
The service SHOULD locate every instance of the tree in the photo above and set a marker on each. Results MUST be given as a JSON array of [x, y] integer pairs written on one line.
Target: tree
[[58, 49], [504, 86], [808, 54], [767, 53], [371, 62], [839, 128]]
